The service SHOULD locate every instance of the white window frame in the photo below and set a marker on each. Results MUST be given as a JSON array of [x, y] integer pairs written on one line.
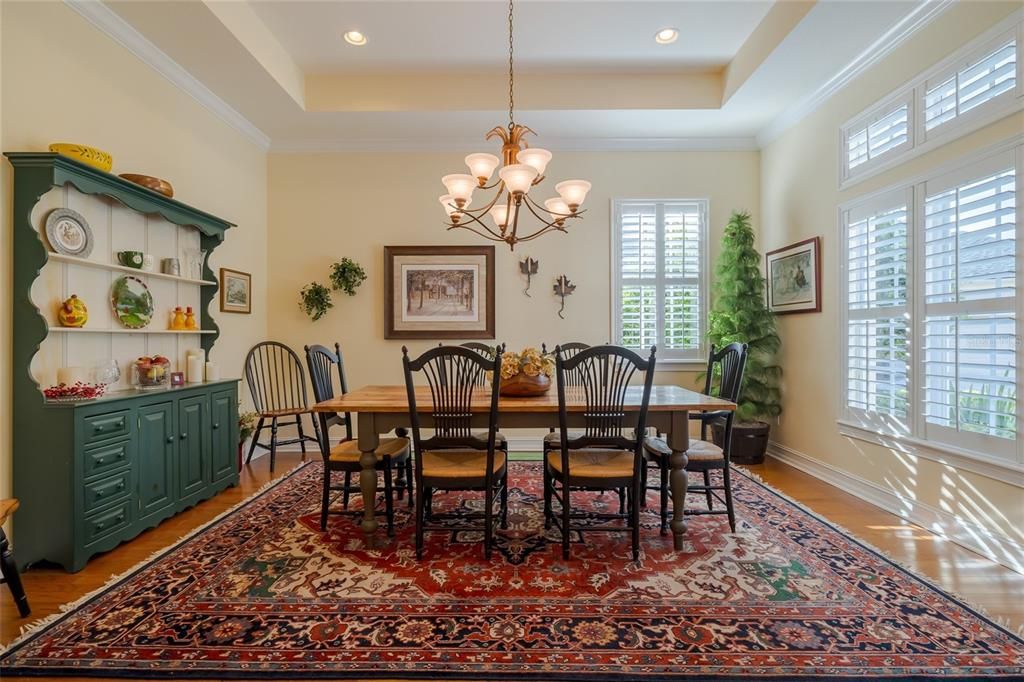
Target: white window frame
[[913, 94], [967, 453], [697, 356]]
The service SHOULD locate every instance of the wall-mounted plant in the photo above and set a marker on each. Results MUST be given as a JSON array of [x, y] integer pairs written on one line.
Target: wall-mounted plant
[[347, 275], [316, 300]]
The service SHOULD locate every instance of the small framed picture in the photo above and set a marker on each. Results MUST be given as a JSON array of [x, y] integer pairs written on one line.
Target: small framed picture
[[794, 277], [177, 378], [235, 291]]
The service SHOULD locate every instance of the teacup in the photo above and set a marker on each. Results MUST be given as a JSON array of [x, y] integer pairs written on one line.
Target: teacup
[[148, 262], [130, 259]]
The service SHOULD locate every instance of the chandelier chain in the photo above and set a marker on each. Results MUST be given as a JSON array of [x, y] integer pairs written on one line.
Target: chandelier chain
[[511, 73]]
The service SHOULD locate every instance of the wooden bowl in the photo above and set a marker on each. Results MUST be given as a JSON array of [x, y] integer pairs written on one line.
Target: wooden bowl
[[522, 385], [149, 182], [97, 158]]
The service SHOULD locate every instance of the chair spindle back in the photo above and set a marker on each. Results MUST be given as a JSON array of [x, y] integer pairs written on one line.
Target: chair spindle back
[[275, 377], [321, 360]]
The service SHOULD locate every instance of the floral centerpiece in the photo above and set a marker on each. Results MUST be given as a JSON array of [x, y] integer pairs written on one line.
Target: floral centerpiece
[[527, 372]]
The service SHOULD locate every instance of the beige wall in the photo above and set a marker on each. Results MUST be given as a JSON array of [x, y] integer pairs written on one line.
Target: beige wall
[[799, 186], [62, 80], [327, 206]]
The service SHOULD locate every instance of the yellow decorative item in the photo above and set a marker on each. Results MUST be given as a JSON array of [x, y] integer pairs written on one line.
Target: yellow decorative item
[[97, 158], [178, 322], [190, 319], [526, 373], [72, 312]]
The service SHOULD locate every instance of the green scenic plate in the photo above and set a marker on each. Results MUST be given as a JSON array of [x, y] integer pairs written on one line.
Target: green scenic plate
[[133, 304]]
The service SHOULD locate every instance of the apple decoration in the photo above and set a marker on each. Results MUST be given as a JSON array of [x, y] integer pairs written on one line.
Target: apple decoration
[[152, 371]]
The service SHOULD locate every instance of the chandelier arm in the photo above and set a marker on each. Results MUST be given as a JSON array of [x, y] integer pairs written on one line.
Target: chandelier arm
[[480, 211], [492, 237], [540, 208], [482, 224]]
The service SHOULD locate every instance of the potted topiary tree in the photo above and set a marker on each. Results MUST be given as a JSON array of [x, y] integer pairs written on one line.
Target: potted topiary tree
[[740, 313]]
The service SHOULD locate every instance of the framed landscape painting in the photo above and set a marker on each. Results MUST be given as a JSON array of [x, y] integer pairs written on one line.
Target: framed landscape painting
[[235, 291], [794, 277], [439, 292]]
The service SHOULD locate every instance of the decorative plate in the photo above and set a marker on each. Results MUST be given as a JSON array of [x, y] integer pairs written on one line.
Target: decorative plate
[[69, 233], [132, 302]]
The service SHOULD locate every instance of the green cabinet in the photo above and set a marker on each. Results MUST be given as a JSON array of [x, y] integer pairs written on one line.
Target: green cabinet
[[224, 446], [157, 482], [193, 446]]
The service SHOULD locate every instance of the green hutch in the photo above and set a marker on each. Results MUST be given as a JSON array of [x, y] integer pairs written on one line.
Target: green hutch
[[93, 474]]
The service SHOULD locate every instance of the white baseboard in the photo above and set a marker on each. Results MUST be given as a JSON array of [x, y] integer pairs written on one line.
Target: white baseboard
[[993, 545]]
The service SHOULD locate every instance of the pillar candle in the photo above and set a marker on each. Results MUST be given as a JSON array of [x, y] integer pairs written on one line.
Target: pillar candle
[[212, 372], [69, 375], [195, 369]]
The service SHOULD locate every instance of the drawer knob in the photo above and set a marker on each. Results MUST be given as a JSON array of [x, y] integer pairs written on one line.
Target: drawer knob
[[101, 461], [184, 436], [100, 493], [99, 526], [170, 439], [99, 428], [216, 425]]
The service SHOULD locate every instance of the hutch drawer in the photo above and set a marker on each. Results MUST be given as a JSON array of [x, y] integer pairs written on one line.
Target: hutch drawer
[[106, 458], [105, 426], [105, 490], [108, 522]]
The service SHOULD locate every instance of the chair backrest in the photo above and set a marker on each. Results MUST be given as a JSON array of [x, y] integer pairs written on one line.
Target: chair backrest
[[604, 374], [321, 360], [454, 375], [724, 375], [274, 374], [569, 350]]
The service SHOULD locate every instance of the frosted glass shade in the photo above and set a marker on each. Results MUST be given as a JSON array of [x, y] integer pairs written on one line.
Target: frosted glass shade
[[518, 177], [558, 209], [573, 192], [500, 214], [460, 186], [536, 157], [448, 201], [481, 166]]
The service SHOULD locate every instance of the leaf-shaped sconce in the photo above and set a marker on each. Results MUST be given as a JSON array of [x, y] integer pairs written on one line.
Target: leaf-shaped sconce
[[528, 267], [563, 288]]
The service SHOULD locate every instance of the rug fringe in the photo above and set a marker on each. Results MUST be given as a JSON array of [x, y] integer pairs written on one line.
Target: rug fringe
[[1000, 621], [31, 629]]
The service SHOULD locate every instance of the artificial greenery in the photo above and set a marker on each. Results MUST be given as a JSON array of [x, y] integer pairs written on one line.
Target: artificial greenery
[[740, 313], [316, 300], [347, 275], [246, 425]]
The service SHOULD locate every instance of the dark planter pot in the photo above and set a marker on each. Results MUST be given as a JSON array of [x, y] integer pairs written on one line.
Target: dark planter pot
[[749, 441]]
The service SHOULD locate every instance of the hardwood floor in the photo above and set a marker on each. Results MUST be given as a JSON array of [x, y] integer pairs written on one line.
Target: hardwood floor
[[982, 582]]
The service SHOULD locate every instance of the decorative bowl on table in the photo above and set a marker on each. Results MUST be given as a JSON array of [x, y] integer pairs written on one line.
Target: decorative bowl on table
[[97, 158], [151, 372], [527, 373], [149, 182]]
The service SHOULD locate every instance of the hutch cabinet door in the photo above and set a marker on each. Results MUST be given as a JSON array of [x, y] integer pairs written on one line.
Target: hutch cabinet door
[[157, 489], [193, 439], [224, 445]]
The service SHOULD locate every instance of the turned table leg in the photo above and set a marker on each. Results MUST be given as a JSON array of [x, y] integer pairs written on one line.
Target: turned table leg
[[369, 440], [679, 441]]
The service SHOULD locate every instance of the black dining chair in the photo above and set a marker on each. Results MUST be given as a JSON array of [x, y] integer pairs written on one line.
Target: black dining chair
[[723, 379], [392, 453], [608, 453], [455, 458], [277, 385]]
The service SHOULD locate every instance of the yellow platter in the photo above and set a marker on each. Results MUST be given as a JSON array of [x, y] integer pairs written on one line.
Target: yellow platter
[[97, 158]]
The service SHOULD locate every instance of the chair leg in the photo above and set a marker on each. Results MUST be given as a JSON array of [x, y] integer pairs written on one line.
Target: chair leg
[[400, 481], [634, 517], [421, 509], [663, 465], [565, 519], [622, 500], [302, 436], [255, 439], [409, 477], [273, 443], [389, 501], [707, 490], [548, 513], [429, 495], [504, 501], [11, 575], [728, 497], [325, 503], [643, 484], [344, 494], [488, 519]]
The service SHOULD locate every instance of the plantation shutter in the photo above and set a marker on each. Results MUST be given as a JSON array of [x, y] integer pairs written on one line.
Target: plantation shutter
[[970, 334], [888, 132], [982, 81], [877, 367], [659, 257]]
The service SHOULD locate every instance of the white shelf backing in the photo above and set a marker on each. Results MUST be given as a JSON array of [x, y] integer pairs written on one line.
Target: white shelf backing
[[74, 260]]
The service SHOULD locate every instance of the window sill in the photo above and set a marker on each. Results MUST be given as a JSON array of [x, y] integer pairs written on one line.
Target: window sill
[[680, 365], [975, 462]]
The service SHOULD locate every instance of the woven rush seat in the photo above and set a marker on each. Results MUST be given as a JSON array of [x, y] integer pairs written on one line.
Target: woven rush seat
[[594, 463], [465, 466], [700, 450], [348, 450], [554, 438]]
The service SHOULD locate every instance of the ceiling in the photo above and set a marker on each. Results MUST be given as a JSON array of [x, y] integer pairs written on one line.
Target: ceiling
[[433, 74]]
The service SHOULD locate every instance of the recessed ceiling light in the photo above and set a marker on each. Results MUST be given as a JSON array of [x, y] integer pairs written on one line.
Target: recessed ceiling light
[[355, 38], [666, 36]]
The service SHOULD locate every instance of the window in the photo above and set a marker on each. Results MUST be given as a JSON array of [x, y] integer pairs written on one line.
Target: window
[[658, 260], [976, 85], [930, 294]]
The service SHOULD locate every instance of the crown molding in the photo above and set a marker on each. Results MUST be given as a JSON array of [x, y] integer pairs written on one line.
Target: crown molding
[[123, 33], [555, 144], [920, 17]]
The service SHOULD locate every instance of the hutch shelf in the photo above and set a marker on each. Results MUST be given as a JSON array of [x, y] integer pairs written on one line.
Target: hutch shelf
[[93, 474]]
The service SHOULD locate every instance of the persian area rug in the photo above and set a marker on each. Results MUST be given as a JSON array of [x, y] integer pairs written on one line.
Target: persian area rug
[[261, 592]]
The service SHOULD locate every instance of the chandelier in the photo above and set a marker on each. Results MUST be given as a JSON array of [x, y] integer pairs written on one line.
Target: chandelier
[[522, 169]]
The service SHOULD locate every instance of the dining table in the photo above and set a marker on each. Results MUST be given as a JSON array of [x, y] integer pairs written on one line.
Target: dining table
[[382, 409]]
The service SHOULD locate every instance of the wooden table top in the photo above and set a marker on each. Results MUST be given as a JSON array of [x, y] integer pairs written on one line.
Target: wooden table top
[[391, 399]]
